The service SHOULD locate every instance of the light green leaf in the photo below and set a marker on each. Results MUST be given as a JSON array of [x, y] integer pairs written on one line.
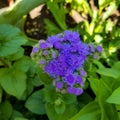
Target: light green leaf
[[5, 110], [58, 12], [35, 103], [13, 81], [11, 38], [112, 7], [115, 97], [110, 72], [90, 112], [94, 83], [59, 107]]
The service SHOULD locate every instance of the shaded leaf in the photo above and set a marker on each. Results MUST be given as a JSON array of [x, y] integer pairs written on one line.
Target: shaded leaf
[[35, 103], [5, 110], [70, 110], [13, 81]]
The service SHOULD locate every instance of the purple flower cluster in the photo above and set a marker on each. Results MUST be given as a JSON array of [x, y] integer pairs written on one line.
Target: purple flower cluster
[[63, 57]]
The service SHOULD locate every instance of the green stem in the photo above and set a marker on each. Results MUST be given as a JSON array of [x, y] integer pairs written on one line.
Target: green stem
[[5, 63], [14, 13]]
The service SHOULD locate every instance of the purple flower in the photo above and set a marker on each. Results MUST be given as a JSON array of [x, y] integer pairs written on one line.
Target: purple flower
[[92, 49], [57, 45], [42, 61], [46, 52], [35, 49], [79, 79], [83, 73], [71, 90], [52, 68], [43, 45], [70, 79], [95, 56], [59, 85], [99, 48], [71, 36], [78, 91], [54, 55], [63, 57]]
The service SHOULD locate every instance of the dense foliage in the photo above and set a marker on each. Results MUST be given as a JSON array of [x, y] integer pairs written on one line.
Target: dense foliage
[[74, 74]]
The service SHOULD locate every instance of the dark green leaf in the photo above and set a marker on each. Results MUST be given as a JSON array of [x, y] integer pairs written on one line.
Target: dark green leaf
[[20, 118], [13, 81], [69, 98], [50, 94], [5, 110], [1, 93], [70, 110], [15, 114], [35, 103]]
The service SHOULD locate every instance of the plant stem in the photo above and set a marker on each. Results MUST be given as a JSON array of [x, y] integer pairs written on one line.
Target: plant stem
[[5, 63]]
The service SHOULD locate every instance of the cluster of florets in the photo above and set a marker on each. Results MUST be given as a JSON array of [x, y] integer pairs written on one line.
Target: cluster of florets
[[63, 56]]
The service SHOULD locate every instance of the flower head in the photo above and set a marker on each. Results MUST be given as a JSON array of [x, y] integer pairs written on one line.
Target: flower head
[[63, 57]]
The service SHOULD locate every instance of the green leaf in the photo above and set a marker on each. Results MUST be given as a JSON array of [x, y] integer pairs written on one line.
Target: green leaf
[[35, 103], [1, 93], [5, 110], [20, 118], [16, 55], [94, 83], [11, 38], [15, 114], [44, 77], [70, 110], [23, 64], [110, 10], [69, 98], [51, 28], [110, 72], [13, 14], [103, 3], [116, 65], [115, 97], [13, 81], [50, 94], [58, 13], [59, 106], [90, 112]]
